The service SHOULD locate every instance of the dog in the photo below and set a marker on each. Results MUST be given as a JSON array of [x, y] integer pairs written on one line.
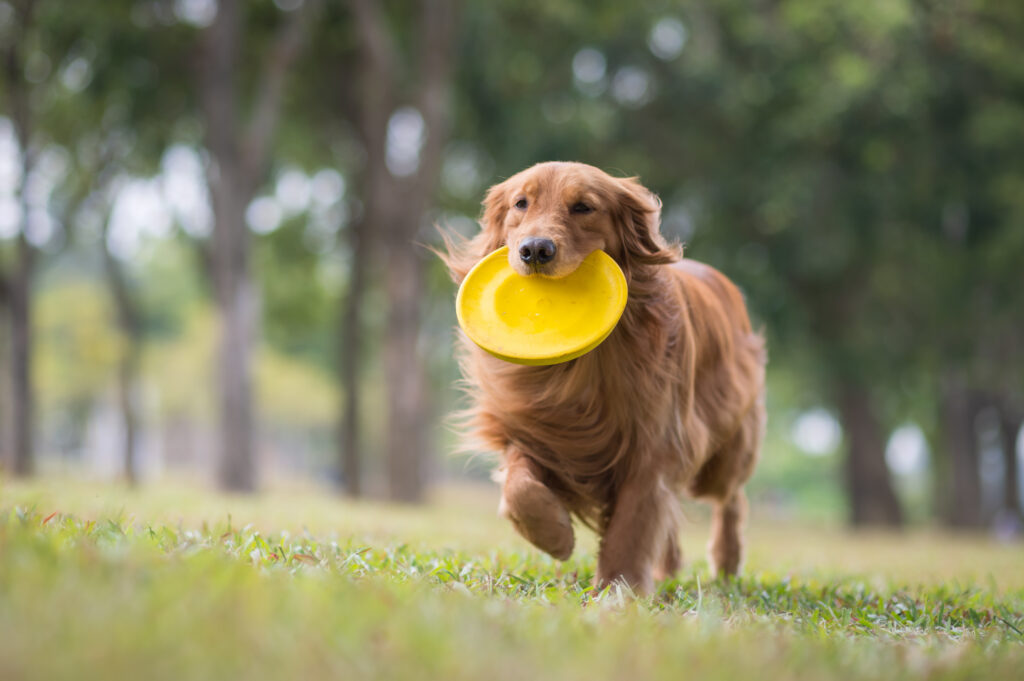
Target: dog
[[671, 402]]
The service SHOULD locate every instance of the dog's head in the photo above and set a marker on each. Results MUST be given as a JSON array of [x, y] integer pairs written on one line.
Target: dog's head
[[554, 215]]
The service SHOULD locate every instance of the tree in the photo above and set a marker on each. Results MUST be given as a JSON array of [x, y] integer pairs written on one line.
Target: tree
[[129, 321], [17, 276], [240, 154], [396, 194], [31, 43], [112, 124], [966, 245]]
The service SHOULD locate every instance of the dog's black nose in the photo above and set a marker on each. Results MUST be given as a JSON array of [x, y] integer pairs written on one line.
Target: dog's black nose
[[539, 251]]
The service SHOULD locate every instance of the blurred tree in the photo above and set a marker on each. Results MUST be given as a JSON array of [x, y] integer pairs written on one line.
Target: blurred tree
[[111, 117], [129, 322], [967, 239], [34, 45], [16, 276], [240, 156], [1010, 420], [402, 122]]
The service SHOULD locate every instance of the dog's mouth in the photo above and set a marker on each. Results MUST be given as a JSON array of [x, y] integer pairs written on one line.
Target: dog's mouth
[[551, 270]]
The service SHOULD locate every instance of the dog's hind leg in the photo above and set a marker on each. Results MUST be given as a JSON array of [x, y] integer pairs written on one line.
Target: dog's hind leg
[[725, 547], [536, 513], [671, 560], [720, 481]]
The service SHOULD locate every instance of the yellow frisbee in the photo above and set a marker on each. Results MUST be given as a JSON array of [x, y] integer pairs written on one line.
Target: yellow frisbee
[[536, 319]]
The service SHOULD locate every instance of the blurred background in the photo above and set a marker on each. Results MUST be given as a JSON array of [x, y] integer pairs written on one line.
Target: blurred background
[[214, 213]]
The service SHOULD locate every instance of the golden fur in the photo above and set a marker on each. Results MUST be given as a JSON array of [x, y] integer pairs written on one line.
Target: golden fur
[[672, 401]]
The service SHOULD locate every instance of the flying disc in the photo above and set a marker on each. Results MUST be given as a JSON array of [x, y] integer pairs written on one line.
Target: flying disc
[[536, 319]]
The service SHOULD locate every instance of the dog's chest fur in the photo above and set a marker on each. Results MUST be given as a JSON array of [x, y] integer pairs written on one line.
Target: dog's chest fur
[[588, 421]]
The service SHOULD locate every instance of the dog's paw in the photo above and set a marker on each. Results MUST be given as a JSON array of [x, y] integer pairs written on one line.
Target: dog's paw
[[638, 579], [539, 517]]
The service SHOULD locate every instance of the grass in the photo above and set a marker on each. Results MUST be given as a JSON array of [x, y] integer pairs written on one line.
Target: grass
[[174, 583]]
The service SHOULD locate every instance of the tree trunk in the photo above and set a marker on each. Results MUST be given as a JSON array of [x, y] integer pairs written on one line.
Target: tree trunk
[[868, 485], [240, 153], [130, 326], [406, 441], [236, 303], [19, 280], [409, 447], [228, 257], [22, 398], [962, 488], [127, 382], [350, 361], [6, 441], [370, 111], [1010, 423], [395, 208]]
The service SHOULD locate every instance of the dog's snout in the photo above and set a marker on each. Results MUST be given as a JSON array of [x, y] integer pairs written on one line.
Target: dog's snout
[[537, 251]]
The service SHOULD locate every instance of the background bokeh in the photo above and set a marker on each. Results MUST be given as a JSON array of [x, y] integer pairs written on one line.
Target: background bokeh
[[213, 220]]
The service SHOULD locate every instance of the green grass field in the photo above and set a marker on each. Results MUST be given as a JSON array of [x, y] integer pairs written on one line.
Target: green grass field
[[172, 583]]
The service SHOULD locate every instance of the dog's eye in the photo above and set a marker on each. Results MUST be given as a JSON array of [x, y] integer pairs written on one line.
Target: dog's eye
[[580, 208], [521, 204]]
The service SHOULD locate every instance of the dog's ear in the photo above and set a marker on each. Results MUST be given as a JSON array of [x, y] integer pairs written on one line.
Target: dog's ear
[[460, 253], [638, 214], [495, 209]]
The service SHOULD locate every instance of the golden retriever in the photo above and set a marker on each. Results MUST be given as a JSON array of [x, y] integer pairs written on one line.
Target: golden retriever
[[672, 401]]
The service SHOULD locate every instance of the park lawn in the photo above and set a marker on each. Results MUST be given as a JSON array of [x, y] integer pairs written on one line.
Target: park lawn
[[168, 582]]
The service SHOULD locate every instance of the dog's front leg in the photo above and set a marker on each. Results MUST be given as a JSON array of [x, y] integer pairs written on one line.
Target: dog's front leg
[[535, 511], [642, 521]]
